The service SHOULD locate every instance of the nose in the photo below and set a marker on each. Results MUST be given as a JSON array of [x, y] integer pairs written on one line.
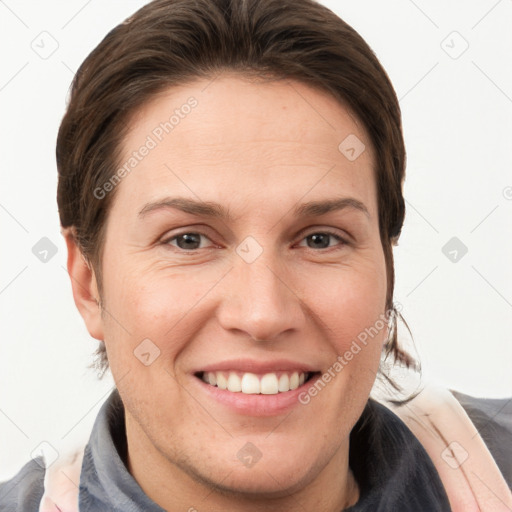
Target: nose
[[259, 299]]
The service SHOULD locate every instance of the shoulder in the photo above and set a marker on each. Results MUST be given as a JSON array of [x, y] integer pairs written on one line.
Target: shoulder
[[492, 418], [24, 491]]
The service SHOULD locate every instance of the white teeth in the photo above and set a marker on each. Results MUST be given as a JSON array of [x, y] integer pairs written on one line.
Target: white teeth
[[234, 382], [294, 380], [222, 382], [269, 384], [252, 384], [284, 383]]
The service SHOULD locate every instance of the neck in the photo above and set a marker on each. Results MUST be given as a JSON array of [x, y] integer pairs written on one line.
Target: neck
[[175, 488]]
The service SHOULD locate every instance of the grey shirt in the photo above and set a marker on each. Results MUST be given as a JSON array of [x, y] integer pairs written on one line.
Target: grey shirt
[[393, 470]]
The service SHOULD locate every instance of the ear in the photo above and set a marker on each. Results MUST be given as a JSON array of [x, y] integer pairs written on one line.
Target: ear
[[84, 286]]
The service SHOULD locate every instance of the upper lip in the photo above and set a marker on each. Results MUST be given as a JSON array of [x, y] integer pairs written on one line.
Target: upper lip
[[255, 366]]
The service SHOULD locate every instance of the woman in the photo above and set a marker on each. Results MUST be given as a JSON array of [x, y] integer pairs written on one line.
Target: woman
[[230, 190]]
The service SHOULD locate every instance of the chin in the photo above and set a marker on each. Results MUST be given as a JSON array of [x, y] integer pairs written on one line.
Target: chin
[[265, 482], [270, 474]]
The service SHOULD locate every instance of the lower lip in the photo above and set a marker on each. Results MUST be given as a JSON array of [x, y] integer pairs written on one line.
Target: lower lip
[[256, 404]]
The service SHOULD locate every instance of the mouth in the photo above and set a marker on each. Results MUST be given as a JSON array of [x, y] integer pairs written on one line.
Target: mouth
[[252, 387], [248, 383]]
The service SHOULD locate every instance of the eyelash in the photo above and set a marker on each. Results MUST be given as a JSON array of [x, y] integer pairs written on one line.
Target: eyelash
[[343, 241]]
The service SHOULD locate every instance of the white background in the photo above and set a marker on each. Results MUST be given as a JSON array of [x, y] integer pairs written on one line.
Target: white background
[[457, 115]]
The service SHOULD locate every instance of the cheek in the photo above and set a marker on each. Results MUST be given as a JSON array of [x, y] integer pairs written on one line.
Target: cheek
[[350, 299], [150, 306], [352, 309]]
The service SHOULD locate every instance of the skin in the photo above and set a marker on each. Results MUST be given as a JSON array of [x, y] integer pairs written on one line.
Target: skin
[[259, 149]]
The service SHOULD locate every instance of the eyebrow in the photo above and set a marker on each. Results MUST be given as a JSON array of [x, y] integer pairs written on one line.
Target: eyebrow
[[216, 210]]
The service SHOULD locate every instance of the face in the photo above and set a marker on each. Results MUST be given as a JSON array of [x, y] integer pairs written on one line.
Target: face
[[218, 267]]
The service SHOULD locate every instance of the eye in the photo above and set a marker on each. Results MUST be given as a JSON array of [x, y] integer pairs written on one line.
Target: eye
[[186, 241], [191, 241], [320, 240]]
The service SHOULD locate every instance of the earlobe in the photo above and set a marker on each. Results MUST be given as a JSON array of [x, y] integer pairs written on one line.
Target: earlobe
[[84, 287]]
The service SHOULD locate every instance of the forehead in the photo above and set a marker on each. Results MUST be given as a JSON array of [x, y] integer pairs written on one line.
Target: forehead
[[231, 137]]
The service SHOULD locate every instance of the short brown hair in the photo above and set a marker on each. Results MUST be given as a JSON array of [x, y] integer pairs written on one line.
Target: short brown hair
[[173, 42]]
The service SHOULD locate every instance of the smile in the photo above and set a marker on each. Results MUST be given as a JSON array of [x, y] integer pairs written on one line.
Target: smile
[[255, 384]]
